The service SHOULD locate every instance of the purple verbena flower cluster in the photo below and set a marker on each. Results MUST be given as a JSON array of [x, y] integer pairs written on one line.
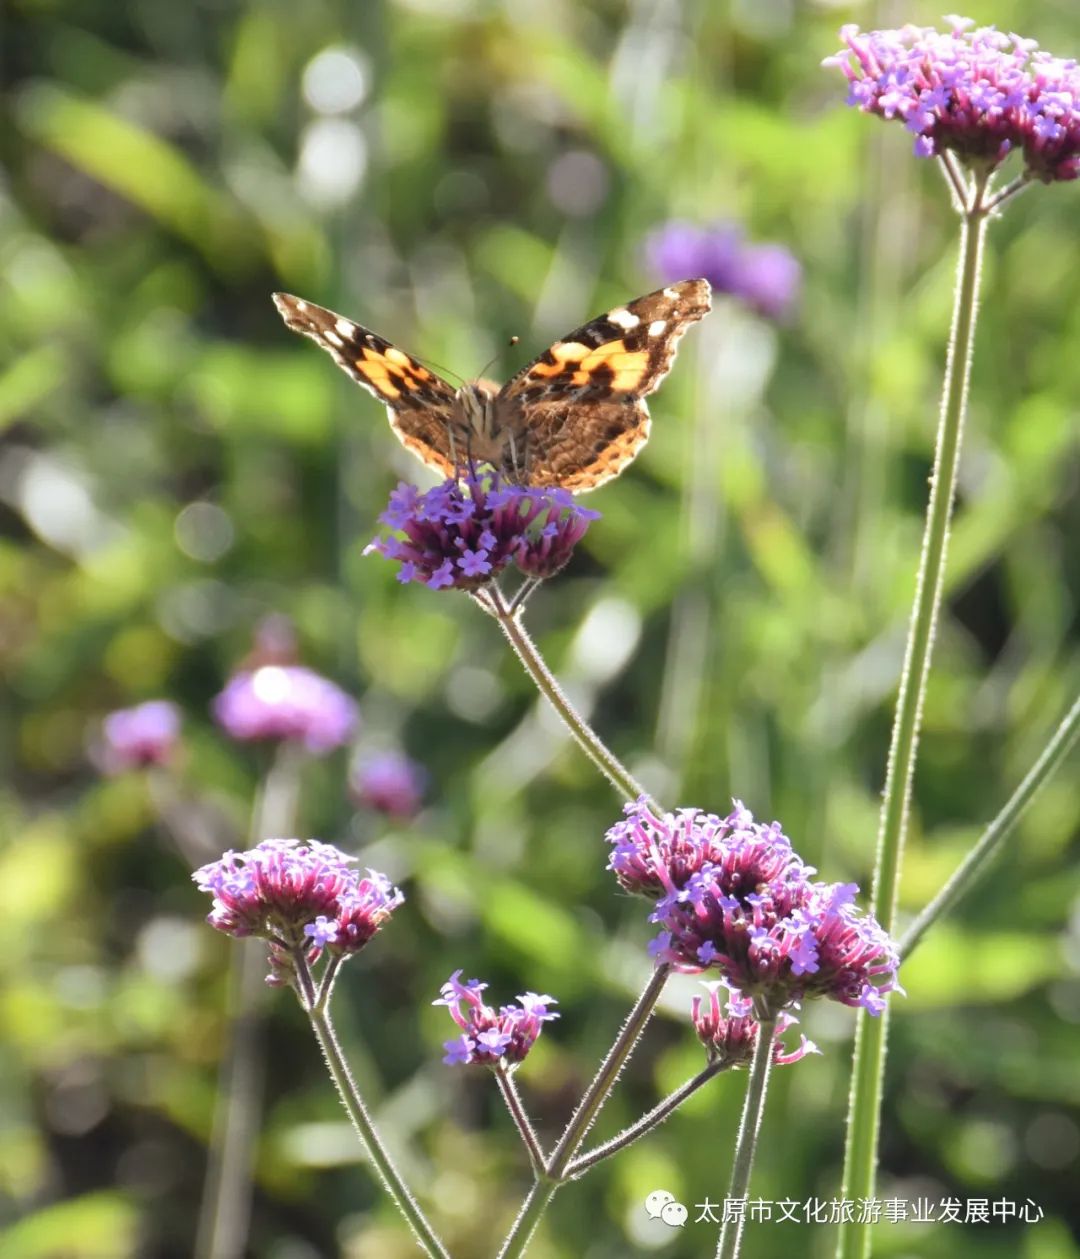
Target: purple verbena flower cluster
[[766, 277], [297, 895], [650, 853], [734, 896], [136, 737], [488, 1036], [389, 783], [730, 1038], [460, 535], [286, 702], [977, 92]]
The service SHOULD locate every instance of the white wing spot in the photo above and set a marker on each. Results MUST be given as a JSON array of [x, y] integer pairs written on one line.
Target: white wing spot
[[333, 337], [346, 328], [657, 327], [670, 293], [621, 316], [300, 304]]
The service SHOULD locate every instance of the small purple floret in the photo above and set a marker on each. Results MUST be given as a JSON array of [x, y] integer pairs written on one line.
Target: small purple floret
[[490, 1037], [978, 93], [460, 535], [730, 1038], [286, 702]]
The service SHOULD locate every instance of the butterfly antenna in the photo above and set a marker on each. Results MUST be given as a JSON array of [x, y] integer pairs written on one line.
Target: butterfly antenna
[[447, 372], [515, 340]]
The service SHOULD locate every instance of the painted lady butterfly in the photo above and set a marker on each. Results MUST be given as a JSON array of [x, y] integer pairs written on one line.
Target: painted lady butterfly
[[574, 417]]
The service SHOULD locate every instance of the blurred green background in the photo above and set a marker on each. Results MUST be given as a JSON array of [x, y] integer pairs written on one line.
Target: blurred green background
[[174, 465]]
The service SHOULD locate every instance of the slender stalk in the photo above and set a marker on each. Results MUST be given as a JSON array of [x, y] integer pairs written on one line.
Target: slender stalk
[[645, 1124], [527, 588], [593, 746], [954, 177], [365, 1128], [746, 1145], [321, 996], [540, 1195], [1010, 190], [225, 1209], [520, 1116], [975, 863], [861, 1152]]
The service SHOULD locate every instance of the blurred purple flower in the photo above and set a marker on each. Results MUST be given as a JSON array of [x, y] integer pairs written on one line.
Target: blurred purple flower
[[769, 280], [734, 895], [286, 702], [135, 737], [389, 783], [458, 536], [297, 895], [979, 93], [766, 277], [730, 1038], [489, 1037]]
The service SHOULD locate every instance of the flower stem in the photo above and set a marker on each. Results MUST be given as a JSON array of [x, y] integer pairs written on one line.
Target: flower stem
[[590, 742], [1010, 190], [540, 1195], [645, 1124], [225, 1209], [749, 1127], [973, 865], [365, 1129], [861, 1152], [520, 1116], [954, 177]]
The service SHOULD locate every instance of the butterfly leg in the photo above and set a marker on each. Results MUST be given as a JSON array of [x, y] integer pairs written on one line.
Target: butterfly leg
[[463, 466], [518, 459], [452, 443]]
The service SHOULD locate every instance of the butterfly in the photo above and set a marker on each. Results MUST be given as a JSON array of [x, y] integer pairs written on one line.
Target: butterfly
[[574, 417]]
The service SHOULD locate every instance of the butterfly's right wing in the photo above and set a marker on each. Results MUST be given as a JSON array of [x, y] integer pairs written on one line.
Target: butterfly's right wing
[[422, 407], [578, 411]]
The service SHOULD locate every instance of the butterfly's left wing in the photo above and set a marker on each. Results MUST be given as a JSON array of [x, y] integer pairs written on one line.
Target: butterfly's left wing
[[421, 406], [577, 411]]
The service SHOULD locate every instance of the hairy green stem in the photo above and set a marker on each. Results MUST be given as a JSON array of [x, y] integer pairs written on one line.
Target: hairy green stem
[[525, 649], [362, 1122], [860, 1162], [225, 1209], [546, 1186], [975, 863], [749, 1127], [645, 1124], [520, 1116]]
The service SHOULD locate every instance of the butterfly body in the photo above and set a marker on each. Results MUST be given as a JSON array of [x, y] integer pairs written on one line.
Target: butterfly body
[[574, 417]]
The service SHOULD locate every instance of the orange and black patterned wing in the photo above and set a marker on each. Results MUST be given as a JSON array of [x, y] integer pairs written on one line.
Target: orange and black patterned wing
[[577, 411], [422, 407]]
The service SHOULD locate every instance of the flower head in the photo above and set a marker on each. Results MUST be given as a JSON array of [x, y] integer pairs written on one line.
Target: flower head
[[297, 895], [460, 535], [766, 277], [730, 1038], [652, 855], [733, 895], [144, 735], [286, 702], [488, 1036], [389, 783], [976, 92]]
